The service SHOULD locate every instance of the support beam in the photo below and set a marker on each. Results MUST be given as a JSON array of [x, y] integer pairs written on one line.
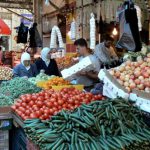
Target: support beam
[[15, 6], [82, 10], [37, 5], [24, 2], [55, 6]]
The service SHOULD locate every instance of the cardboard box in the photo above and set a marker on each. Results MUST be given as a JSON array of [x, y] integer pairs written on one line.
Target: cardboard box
[[84, 65], [112, 86], [142, 99]]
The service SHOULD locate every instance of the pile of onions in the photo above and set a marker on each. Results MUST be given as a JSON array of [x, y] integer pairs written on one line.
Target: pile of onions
[[134, 75], [5, 73]]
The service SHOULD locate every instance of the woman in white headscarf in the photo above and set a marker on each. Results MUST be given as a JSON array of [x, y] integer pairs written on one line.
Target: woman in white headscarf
[[25, 68], [46, 63]]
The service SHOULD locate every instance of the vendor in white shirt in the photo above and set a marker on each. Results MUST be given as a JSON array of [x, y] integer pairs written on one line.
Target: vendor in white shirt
[[87, 78], [105, 51]]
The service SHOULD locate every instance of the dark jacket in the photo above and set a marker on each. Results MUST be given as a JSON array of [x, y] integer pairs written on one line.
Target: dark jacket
[[35, 39], [21, 71], [22, 34], [52, 68]]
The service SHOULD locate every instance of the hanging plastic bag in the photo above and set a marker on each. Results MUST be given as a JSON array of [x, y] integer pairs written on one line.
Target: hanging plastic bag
[[126, 40]]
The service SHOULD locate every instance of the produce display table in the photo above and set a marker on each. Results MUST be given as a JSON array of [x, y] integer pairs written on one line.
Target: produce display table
[[17, 120], [5, 126], [5, 113]]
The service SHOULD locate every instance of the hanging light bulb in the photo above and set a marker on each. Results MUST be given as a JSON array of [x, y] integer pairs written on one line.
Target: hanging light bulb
[[115, 32], [69, 34]]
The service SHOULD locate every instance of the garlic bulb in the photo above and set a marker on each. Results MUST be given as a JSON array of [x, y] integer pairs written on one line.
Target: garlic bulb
[[54, 34], [73, 30], [60, 40], [53, 38], [92, 32]]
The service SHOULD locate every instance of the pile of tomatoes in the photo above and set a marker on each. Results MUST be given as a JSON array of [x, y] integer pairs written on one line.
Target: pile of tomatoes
[[47, 103]]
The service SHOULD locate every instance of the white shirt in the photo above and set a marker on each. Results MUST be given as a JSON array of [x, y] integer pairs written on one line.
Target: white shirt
[[84, 80]]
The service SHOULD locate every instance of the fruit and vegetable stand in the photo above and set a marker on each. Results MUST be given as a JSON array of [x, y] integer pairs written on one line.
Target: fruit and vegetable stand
[[69, 118]]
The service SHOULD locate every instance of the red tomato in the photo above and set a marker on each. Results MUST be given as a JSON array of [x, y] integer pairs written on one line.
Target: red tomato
[[28, 98], [13, 107], [77, 102], [99, 97], [59, 107], [38, 114], [51, 111], [42, 117], [49, 104], [40, 98], [34, 97], [60, 102], [24, 104], [71, 101], [42, 93], [69, 106], [35, 107], [54, 109], [26, 117], [53, 100], [64, 105], [33, 116], [55, 104], [31, 103], [55, 112], [27, 112], [22, 97], [39, 104], [46, 97], [17, 104], [47, 111], [22, 109], [19, 113]]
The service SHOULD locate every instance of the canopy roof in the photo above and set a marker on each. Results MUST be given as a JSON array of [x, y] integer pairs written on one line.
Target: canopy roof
[[4, 29], [18, 4]]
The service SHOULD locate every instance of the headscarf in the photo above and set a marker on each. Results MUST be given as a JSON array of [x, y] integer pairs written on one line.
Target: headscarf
[[44, 54], [25, 56]]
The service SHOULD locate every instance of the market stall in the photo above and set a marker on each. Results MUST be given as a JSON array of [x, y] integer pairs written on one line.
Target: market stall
[[48, 112]]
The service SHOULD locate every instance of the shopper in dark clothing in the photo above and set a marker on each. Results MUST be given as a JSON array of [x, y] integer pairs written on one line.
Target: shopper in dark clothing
[[47, 64]]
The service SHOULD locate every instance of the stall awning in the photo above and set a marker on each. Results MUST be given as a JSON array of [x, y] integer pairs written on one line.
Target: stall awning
[[4, 29]]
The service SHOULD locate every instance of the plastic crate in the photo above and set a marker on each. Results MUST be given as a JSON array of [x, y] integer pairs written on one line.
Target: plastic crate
[[4, 140]]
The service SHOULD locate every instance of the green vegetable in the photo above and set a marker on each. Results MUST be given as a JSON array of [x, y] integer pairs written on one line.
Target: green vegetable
[[5, 100], [101, 125], [16, 87], [39, 77]]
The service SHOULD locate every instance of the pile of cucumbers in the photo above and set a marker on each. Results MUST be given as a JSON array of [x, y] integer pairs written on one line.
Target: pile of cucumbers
[[101, 125]]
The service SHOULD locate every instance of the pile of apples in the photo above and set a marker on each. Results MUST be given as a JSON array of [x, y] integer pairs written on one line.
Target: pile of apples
[[134, 75]]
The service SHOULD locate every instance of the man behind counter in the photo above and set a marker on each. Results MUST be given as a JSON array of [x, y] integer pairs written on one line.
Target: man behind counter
[[87, 78]]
